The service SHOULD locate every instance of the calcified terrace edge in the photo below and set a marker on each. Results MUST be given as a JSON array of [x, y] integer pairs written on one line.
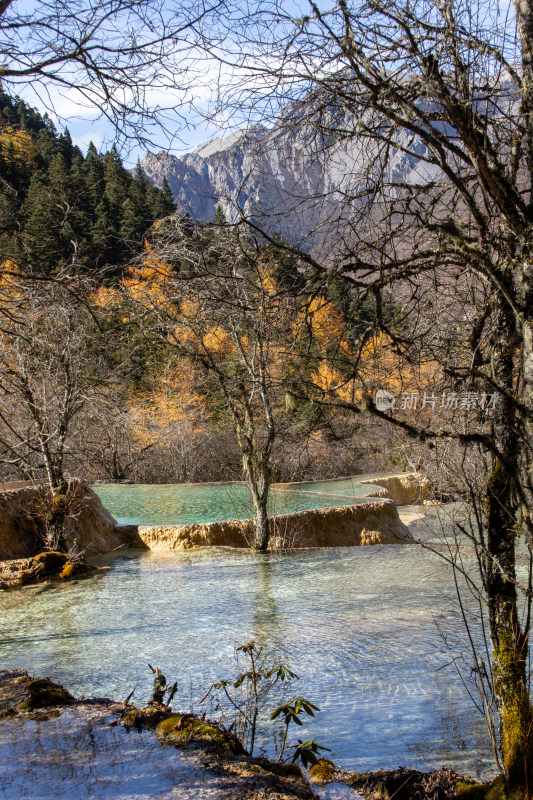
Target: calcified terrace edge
[[344, 526]]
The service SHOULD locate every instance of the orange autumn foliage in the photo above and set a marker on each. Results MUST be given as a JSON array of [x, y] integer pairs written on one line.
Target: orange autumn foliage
[[333, 382], [382, 367], [171, 401], [218, 342], [21, 145], [326, 323], [105, 297]]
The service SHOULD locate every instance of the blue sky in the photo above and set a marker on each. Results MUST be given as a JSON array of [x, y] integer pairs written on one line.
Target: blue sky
[[183, 76], [180, 78], [188, 129], [87, 125]]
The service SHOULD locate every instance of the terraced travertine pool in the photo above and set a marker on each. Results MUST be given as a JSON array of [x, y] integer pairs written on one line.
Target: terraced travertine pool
[[175, 504], [363, 627]]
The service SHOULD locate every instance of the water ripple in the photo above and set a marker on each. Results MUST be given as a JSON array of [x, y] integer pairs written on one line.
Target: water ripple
[[356, 624]]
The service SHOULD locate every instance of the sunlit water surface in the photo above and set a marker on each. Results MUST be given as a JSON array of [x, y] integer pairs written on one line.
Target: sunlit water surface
[[357, 624]]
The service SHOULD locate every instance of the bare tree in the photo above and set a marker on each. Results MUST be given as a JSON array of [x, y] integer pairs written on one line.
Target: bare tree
[[435, 103], [51, 362], [121, 58], [212, 296]]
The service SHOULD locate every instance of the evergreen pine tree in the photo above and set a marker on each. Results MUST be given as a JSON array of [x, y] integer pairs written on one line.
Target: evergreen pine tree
[[220, 217], [133, 224], [105, 235], [66, 146], [58, 178], [116, 180], [39, 243], [46, 144], [60, 196], [93, 169], [140, 211], [162, 202]]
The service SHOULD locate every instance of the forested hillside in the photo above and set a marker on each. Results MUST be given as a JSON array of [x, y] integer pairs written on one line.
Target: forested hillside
[[59, 207], [106, 372]]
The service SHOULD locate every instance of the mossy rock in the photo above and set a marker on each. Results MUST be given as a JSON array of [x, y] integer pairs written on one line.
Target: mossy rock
[[404, 784], [471, 790], [68, 571], [497, 790], [27, 576], [322, 772], [244, 769], [129, 718], [51, 561], [43, 694], [183, 729], [73, 569], [139, 718], [167, 725], [384, 784]]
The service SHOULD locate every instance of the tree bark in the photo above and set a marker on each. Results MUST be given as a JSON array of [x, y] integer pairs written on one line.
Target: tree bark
[[258, 475], [509, 639], [262, 532]]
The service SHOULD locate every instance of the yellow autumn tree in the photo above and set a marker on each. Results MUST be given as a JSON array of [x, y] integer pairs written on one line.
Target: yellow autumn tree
[[170, 405], [382, 366], [18, 149]]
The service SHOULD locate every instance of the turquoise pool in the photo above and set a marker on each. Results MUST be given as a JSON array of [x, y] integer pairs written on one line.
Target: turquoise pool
[[358, 625], [175, 504]]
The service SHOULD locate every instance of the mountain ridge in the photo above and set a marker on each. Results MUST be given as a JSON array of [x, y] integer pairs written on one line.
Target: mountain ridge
[[280, 178]]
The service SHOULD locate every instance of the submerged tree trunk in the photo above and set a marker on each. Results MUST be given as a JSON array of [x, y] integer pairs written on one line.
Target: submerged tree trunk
[[258, 475], [262, 532]]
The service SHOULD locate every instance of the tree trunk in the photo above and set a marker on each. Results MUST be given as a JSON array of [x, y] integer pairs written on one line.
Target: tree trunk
[[526, 397], [57, 515], [509, 641], [57, 504], [257, 473], [262, 532]]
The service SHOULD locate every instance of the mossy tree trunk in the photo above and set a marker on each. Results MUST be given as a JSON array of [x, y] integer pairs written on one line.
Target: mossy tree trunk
[[518, 751], [509, 635]]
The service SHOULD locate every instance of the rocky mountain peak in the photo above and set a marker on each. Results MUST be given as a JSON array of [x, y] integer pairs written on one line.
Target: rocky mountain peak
[[280, 178]]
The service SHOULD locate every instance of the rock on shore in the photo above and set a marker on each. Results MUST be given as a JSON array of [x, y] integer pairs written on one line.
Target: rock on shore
[[91, 527], [54, 746], [92, 531]]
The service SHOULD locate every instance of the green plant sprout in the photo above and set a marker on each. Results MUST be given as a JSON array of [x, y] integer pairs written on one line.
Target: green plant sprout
[[247, 695]]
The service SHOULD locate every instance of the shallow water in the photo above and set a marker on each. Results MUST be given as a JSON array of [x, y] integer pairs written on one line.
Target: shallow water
[[174, 504], [101, 762], [107, 763], [357, 624]]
